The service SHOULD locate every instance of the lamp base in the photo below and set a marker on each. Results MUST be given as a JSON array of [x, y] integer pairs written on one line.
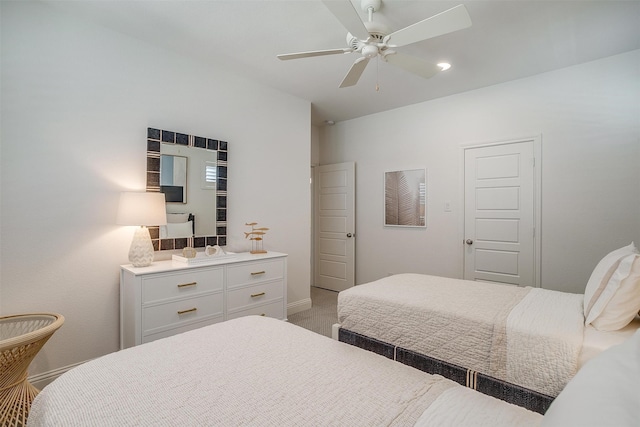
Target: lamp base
[[141, 250]]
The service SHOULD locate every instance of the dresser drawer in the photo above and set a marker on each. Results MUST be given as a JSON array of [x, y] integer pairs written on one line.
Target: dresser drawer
[[182, 328], [252, 295], [254, 272], [173, 314], [275, 310], [182, 283]]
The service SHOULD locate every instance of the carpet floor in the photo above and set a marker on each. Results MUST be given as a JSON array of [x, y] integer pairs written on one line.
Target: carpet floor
[[322, 314]]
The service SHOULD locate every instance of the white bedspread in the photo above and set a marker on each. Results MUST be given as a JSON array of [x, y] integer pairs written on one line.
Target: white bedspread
[[248, 371], [530, 337], [544, 337], [478, 409]]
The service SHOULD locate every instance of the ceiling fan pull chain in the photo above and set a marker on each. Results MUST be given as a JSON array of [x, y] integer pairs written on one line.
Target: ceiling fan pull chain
[[377, 74]]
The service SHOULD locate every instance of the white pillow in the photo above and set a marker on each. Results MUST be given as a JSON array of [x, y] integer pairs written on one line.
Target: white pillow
[[600, 278], [177, 217], [176, 230], [624, 300], [603, 393]]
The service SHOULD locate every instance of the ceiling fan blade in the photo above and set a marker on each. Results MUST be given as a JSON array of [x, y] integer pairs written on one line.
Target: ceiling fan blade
[[355, 72], [412, 64], [287, 56], [454, 19], [348, 16]]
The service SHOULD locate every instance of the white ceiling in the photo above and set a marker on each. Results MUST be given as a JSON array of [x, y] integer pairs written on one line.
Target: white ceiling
[[508, 40]]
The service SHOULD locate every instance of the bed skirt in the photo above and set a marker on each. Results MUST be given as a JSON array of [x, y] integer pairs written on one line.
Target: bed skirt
[[494, 387]]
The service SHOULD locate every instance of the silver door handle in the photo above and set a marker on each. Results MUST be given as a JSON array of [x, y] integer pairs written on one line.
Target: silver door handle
[[350, 235], [469, 242]]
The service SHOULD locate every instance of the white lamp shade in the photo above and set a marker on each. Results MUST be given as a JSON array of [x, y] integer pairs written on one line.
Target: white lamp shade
[[138, 208]]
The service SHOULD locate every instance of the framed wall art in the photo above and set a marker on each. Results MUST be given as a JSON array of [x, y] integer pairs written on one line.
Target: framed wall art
[[405, 198]]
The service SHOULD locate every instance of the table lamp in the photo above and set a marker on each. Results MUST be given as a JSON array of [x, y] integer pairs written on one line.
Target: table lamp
[[138, 208]]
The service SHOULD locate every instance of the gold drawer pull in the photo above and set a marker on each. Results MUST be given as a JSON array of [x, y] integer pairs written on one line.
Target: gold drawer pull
[[258, 272], [182, 285], [257, 295], [191, 310]]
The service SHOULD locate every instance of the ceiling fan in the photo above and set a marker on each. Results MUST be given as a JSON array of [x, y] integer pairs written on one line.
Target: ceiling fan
[[372, 39]]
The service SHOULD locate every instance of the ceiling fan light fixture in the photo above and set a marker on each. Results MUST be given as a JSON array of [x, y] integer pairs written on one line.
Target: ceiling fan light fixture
[[444, 66], [370, 51]]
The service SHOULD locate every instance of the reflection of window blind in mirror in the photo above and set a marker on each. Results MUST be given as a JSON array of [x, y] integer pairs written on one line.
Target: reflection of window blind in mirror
[[209, 175]]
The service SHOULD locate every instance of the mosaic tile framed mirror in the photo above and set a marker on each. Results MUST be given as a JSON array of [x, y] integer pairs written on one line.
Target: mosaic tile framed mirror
[[192, 172]]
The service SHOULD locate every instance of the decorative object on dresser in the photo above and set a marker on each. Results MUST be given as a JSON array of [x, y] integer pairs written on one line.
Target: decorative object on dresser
[[196, 168], [171, 297], [256, 236], [140, 208], [189, 252], [21, 338], [214, 250]]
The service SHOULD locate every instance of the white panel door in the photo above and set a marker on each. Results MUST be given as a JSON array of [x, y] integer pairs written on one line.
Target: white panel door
[[335, 226], [499, 226]]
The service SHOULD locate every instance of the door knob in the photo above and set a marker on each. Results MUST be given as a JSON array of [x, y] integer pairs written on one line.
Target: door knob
[[350, 235], [469, 242]]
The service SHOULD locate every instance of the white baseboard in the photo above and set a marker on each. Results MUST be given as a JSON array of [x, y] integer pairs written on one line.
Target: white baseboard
[[40, 381], [298, 306]]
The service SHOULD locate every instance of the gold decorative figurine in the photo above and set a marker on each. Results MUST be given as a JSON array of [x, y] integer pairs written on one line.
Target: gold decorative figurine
[[255, 235]]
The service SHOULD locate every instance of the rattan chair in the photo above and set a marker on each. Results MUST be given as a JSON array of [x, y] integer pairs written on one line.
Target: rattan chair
[[21, 338]]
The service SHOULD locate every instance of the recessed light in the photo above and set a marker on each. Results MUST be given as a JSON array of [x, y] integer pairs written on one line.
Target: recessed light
[[329, 122], [444, 66]]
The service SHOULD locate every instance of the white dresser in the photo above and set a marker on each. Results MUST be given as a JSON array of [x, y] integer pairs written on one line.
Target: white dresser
[[169, 297]]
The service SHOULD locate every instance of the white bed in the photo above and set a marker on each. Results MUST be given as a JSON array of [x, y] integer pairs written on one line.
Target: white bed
[[529, 337], [483, 327], [260, 371]]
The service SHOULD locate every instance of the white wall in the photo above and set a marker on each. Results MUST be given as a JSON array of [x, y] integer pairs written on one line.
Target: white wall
[[76, 102], [589, 119]]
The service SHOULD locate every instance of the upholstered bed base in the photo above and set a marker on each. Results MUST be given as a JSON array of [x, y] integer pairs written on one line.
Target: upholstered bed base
[[503, 390]]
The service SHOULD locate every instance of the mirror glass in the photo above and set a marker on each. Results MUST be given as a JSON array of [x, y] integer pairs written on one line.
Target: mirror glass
[[173, 178], [188, 188], [192, 172]]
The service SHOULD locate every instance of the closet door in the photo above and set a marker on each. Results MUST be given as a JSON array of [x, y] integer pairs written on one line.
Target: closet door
[[499, 224]]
